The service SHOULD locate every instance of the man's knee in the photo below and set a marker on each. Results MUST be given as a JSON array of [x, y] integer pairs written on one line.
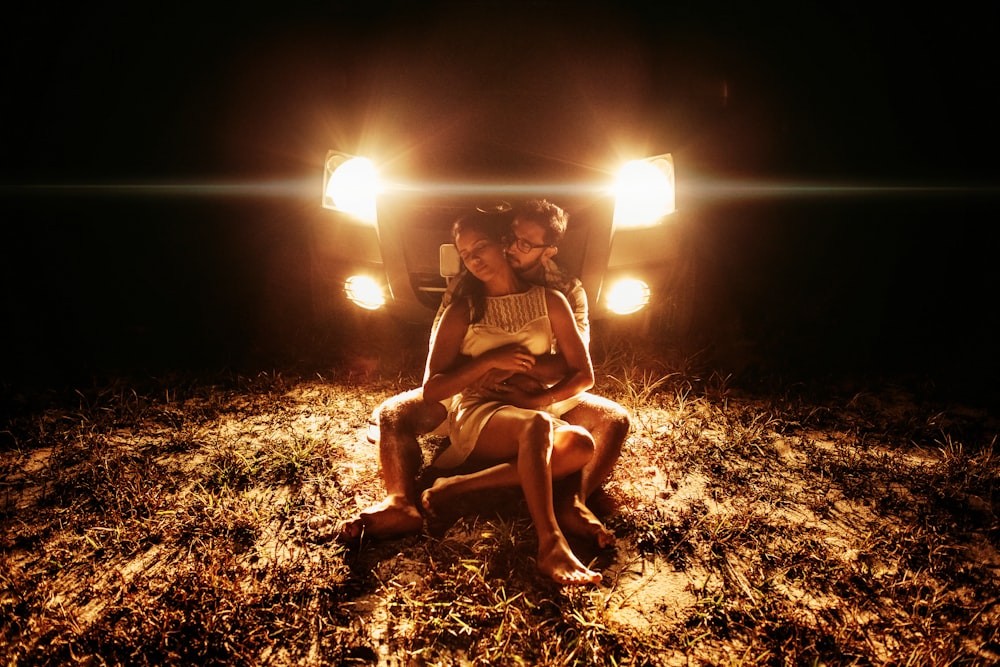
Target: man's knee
[[596, 413], [407, 414], [619, 418]]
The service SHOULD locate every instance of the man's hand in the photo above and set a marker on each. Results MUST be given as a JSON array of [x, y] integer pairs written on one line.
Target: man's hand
[[520, 390], [491, 379], [550, 368]]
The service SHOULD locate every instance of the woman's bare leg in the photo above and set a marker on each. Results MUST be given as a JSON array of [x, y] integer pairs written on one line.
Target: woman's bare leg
[[569, 455], [533, 437], [571, 450], [574, 517]]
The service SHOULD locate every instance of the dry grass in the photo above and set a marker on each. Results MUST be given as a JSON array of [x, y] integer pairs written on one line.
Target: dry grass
[[188, 522]]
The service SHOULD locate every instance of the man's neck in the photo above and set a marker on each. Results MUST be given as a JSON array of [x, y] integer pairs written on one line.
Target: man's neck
[[534, 275]]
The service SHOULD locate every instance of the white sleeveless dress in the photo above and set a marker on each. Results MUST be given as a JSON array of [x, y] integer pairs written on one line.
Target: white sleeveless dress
[[516, 318]]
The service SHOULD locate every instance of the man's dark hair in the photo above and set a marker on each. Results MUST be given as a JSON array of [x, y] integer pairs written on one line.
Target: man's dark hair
[[547, 215]]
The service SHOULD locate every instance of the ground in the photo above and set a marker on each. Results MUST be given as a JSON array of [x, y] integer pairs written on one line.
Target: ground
[[189, 520]]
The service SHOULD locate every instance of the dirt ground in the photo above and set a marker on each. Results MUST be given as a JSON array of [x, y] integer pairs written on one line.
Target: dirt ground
[[191, 521]]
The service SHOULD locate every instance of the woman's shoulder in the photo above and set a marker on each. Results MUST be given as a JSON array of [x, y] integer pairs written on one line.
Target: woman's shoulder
[[554, 296], [458, 311]]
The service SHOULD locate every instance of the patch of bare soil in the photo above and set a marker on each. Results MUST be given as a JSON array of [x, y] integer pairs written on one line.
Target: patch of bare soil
[[193, 524]]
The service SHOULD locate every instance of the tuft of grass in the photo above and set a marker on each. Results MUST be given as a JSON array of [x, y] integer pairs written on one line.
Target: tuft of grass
[[180, 520]]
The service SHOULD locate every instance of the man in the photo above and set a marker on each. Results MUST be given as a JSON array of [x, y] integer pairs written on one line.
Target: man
[[536, 230]]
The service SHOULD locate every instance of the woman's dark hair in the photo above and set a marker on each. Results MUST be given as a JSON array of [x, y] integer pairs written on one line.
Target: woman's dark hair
[[494, 224]]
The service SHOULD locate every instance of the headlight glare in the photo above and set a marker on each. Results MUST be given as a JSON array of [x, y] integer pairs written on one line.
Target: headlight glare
[[351, 186], [644, 192]]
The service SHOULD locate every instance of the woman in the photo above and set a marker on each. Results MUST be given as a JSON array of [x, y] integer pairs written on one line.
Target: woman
[[501, 323]]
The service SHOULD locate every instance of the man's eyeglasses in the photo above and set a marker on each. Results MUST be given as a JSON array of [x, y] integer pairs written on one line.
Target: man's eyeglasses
[[524, 245]]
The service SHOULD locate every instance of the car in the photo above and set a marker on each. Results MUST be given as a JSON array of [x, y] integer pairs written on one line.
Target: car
[[443, 120], [386, 244]]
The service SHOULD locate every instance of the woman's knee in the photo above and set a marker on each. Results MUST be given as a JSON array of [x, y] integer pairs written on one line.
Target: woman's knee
[[575, 443], [536, 434]]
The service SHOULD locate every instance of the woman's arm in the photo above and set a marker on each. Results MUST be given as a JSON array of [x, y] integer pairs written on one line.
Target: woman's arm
[[549, 368], [524, 390], [579, 369], [449, 372]]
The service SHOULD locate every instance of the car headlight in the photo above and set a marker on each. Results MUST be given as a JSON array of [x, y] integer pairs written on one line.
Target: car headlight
[[350, 185], [644, 192], [365, 292], [627, 296]]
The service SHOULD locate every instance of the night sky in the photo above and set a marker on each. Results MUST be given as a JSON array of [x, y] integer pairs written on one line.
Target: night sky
[[764, 111]]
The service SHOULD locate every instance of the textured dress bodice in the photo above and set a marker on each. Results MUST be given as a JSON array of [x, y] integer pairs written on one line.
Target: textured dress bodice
[[516, 318]]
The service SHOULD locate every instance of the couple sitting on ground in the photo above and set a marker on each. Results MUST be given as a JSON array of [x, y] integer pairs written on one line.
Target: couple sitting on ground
[[507, 379]]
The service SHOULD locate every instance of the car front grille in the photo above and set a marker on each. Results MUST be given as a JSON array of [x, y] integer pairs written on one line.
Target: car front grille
[[412, 229], [416, 229]]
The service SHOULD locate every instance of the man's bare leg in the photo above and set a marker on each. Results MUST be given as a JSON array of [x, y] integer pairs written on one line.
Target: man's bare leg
[[401, 419], [609, 423]]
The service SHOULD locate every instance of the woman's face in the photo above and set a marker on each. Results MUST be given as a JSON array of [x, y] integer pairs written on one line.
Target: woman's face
[[483, 256]]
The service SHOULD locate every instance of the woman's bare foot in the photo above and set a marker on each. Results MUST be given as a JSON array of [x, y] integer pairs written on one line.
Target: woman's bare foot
[[440, 493], [558, 561], [576, 519], [393, 516]]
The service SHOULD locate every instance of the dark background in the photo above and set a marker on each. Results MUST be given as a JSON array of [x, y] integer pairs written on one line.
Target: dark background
[[836, 168]]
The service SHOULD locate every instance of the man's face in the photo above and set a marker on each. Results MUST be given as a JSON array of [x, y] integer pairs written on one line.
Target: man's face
[[527, 246]]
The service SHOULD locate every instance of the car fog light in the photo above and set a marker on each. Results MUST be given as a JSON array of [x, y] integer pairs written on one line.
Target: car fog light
[[628, 296], [364, 292]]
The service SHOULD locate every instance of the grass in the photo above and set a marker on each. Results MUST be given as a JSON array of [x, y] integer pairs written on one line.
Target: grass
[[183, 520]]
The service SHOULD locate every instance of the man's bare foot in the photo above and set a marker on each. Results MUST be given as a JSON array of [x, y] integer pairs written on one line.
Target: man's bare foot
[[393, 516], [558, 561], [440, 494], [576, 519]]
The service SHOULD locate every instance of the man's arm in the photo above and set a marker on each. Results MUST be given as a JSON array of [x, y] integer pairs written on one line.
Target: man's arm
[[571, 287]]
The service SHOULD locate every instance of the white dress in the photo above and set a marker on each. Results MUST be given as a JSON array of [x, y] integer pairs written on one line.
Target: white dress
[[516, 318]]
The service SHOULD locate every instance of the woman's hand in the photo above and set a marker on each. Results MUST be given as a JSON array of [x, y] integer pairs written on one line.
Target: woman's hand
[[510, 358]]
